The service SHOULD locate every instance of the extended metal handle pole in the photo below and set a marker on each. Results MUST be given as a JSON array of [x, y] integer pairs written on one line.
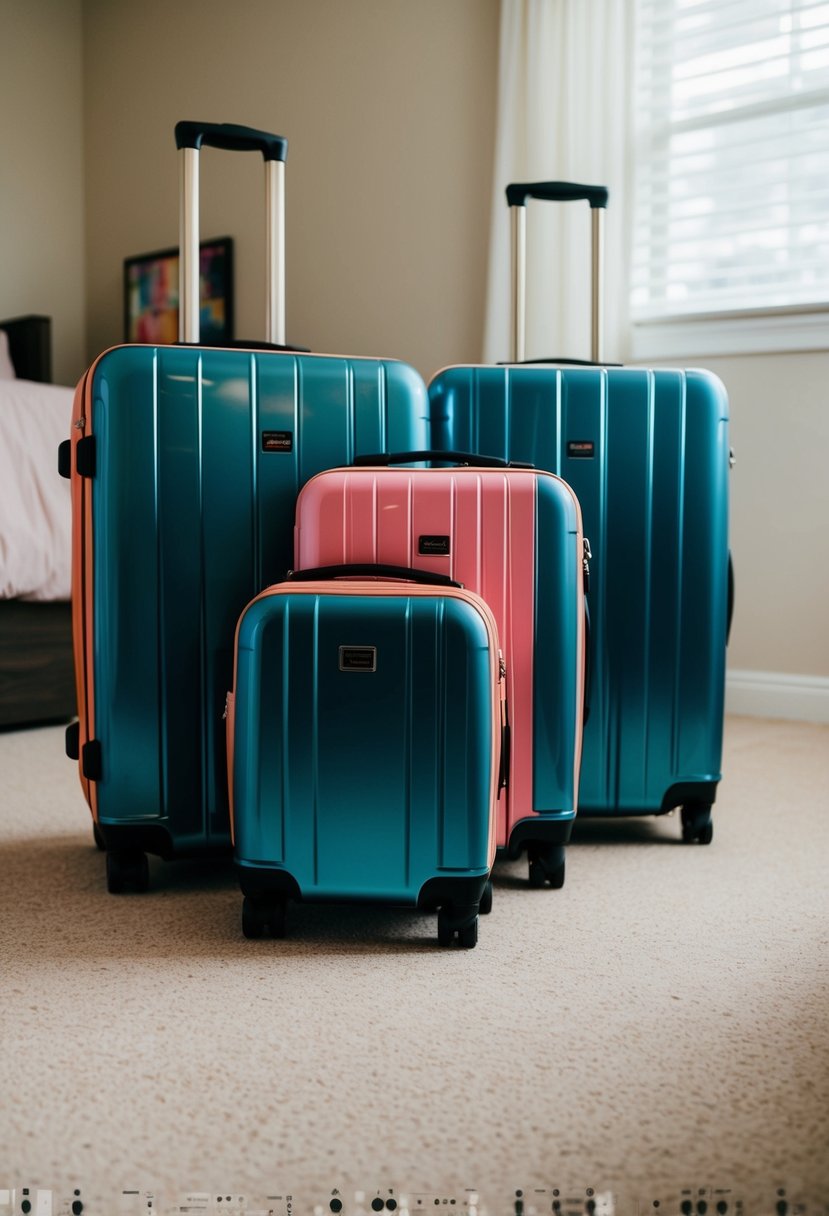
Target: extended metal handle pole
[[188, 268], [561, 192], [597, 259], [190, 137], [275, 251], [519, 284]]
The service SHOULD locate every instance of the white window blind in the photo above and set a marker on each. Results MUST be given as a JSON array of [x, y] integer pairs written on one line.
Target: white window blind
[[731, 194]]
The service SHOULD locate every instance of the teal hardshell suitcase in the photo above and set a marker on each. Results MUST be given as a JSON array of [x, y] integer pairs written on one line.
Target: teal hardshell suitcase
[[186, 462], [647, 453], [365, 730]]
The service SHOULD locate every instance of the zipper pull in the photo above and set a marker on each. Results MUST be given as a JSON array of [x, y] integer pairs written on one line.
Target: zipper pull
[[587, 555], [502, 667]]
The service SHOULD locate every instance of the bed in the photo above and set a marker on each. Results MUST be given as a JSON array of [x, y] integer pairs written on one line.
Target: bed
[[36, 673]]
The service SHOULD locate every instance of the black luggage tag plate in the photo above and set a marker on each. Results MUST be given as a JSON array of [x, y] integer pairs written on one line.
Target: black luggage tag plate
[[277, 441], [433, 546], [358, 658], [581, 449]]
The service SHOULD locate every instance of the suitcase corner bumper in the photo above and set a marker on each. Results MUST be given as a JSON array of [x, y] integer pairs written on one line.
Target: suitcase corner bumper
[[539, 829]]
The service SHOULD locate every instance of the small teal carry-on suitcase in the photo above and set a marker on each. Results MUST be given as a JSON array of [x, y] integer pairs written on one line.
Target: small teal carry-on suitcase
[[364, 746], [647, 453], [186, 462]]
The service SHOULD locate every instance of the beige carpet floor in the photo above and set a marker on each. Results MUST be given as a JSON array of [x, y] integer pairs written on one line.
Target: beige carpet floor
[[660, 1023]]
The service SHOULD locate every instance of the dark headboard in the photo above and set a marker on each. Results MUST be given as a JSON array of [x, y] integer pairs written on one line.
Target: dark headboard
[[30, 347]]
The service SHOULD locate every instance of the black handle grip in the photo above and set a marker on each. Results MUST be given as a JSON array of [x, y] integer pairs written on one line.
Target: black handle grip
[[231, 138], [470, 458], [556, 360], [506, 750], [361, 569], [556, 192], [253, 344]]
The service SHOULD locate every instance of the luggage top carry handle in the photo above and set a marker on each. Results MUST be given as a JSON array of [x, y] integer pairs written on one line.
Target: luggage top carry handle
[[231, 138], [366, 569], [466, 458], [556, 192], [561, 192], [190, 137]]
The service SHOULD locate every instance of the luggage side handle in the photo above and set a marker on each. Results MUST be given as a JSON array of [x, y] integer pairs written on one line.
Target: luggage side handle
[[561, 192], [470, 458], [588, 663], [588, 631], [366, 569], [503, 768]]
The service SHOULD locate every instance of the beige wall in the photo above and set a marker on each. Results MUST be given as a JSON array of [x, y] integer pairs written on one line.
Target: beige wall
[[779, 510], [389, 109], [779, 521], [42, 265]]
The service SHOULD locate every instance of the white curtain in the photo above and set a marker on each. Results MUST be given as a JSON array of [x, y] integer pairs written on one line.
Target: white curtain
[[564, 114]]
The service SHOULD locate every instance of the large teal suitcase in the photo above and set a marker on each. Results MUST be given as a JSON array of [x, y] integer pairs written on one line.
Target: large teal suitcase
[[647, 453], [186, 462], [364, 734]]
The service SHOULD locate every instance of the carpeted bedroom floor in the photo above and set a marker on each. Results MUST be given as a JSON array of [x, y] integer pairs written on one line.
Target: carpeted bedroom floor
[[660, 1023]]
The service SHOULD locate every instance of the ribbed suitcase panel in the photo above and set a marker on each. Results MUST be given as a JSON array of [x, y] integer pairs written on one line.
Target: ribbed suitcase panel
[[200, 456], [363, 785], [558, 656], [654, 498]]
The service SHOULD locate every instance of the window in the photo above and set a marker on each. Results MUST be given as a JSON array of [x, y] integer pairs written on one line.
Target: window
[[731, 185]]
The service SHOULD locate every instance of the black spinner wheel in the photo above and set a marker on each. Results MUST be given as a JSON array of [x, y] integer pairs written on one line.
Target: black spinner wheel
[[275, 915], [555, 872], [468, 935], [446, 931], [461, 921], [546, 865], [127, 870], [486, 899], [696, 823], [537, 875], [253, 923], [706, 833], [263, 916]]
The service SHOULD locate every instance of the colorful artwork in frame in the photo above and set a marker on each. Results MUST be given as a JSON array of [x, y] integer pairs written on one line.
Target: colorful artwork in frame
[[151, 295]]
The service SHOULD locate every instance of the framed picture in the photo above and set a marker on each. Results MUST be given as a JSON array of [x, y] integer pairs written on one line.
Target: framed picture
[[151, 294]]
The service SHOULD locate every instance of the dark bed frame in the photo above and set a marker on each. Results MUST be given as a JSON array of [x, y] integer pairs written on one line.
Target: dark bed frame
[[37, 682]]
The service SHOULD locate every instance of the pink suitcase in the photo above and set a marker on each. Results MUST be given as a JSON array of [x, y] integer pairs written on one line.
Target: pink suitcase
[[514, 536]]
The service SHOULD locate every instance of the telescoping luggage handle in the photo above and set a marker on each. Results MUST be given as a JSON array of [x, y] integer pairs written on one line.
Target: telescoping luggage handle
[[561, 192], [465, 458], [190, 137], [367, 569]]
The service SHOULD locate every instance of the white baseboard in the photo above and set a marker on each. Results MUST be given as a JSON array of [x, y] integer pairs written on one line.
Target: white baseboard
[[773, 694]]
